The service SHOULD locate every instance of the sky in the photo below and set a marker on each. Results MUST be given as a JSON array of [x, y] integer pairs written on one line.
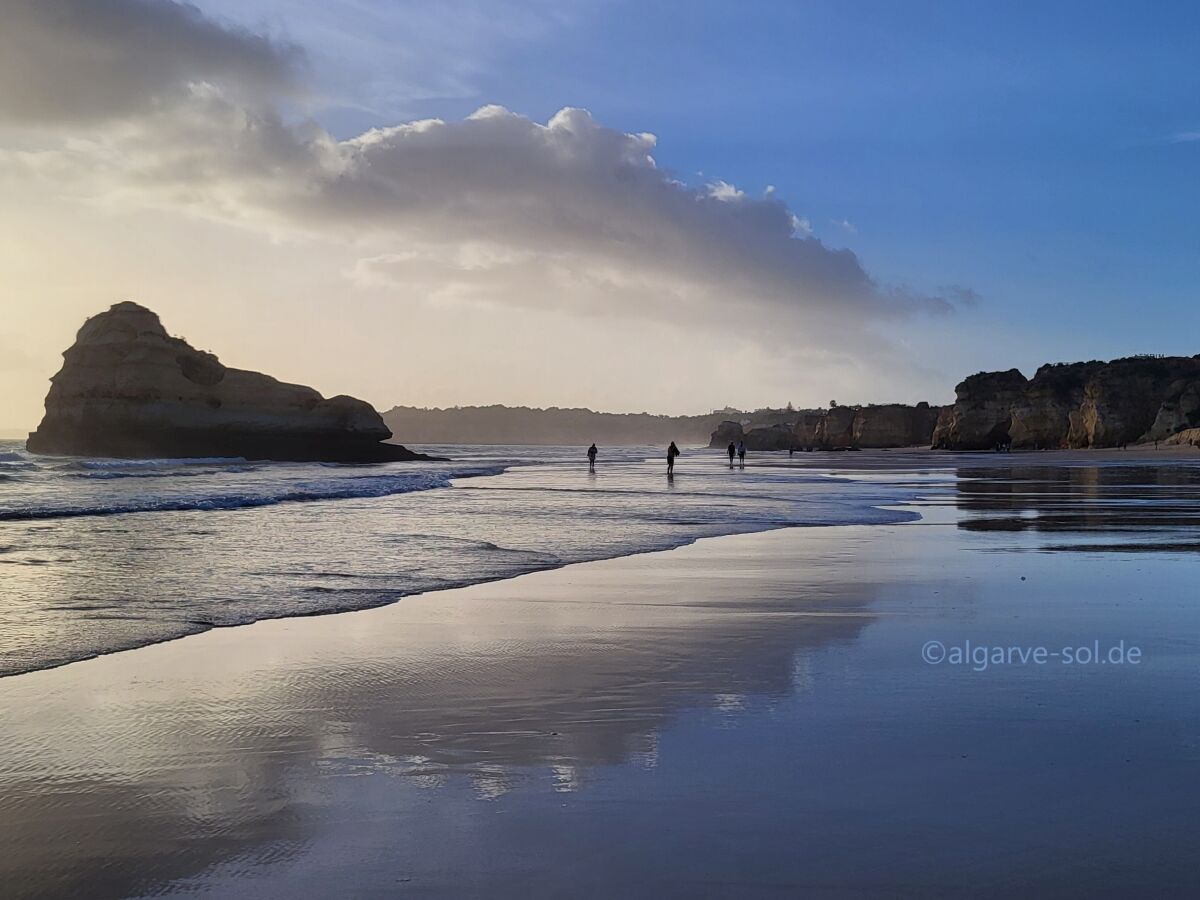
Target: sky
[[670, 207]]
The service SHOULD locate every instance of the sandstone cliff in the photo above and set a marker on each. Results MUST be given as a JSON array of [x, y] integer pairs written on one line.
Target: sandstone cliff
[[128, 389], [893, 425], [772, 437], [1091, 404], [728, 432], [839, 428], [836, 428], [982, 414]]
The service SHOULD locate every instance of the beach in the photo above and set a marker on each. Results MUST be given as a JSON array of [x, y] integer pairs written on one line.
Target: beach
[[754, 714]]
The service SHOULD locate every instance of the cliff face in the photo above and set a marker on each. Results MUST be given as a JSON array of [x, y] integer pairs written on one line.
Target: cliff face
[[894, 425], [1093, 404], [1179, 412], [773, 437], [839, 428], [1041, 417], [982, 411], [804, 429], [836, 428], [728, 432], [128, 389]]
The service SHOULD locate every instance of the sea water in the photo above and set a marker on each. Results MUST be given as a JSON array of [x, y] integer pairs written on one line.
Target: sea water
[[99, 555]]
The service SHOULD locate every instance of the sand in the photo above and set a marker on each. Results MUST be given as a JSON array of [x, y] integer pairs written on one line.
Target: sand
[[746, 716]]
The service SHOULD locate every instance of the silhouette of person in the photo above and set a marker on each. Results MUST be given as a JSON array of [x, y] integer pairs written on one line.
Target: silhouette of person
[[741, 448], [732, 451], [672, 452], [592, 451]]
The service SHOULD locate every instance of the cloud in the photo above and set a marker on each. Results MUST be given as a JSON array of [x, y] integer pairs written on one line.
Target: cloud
[[721, 190], [496, 208], [71, 61], [845, 224]]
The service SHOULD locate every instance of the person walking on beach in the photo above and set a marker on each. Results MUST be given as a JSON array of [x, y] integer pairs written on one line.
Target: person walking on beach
[[742, 454], [592, 451], [732, 451], [672, 452]]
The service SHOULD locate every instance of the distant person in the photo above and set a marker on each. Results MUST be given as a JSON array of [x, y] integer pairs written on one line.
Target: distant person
[[741, 450], [592, 451], [732, 453], [672, 452]]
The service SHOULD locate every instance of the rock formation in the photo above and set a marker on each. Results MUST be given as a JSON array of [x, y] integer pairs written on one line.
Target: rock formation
[[1041, 417], [839, 428], [982, 411], [804, 429], [128, 389], [893, 425], [1091, 404], [1188, 436], [727, 432], [836, 428], [772, 437]]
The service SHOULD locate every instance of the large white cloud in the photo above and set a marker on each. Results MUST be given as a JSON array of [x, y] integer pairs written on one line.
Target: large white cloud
[[155, 104]]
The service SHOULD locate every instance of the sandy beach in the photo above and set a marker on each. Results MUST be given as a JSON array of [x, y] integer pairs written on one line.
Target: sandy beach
[[749, 715]]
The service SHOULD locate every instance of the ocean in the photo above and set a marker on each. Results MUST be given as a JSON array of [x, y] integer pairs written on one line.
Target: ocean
[[101, 555]]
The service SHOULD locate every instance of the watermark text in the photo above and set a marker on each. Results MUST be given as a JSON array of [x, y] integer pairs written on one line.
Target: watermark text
[[981, 657]]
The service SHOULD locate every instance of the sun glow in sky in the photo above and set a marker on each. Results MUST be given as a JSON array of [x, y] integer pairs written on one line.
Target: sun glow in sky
[[665, 207]]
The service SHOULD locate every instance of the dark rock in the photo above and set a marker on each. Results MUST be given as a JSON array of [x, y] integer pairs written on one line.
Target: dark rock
[[726, 433], [128, 389], [774, 437], [1092, 404]]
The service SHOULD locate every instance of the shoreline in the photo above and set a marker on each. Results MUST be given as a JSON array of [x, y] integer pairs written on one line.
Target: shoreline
[[401, 598], [760, 696], [376, 510], [896, 461], [323, 614]]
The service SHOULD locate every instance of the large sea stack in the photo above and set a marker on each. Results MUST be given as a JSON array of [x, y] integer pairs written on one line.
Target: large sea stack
[[128, 389]]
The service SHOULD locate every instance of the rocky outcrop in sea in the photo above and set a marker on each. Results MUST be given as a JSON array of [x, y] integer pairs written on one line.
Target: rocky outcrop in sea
[[129, 389]]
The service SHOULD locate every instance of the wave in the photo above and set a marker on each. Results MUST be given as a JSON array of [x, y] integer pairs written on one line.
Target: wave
[[156, 463], [113, 474], [363, 486], [12, 457]]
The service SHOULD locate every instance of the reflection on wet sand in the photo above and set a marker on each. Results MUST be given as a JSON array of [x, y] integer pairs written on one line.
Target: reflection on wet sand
[[121, 774], [746, 716], [1159, 502]]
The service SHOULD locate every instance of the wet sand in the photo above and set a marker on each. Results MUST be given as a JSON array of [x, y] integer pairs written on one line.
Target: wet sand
[[746, 716]]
